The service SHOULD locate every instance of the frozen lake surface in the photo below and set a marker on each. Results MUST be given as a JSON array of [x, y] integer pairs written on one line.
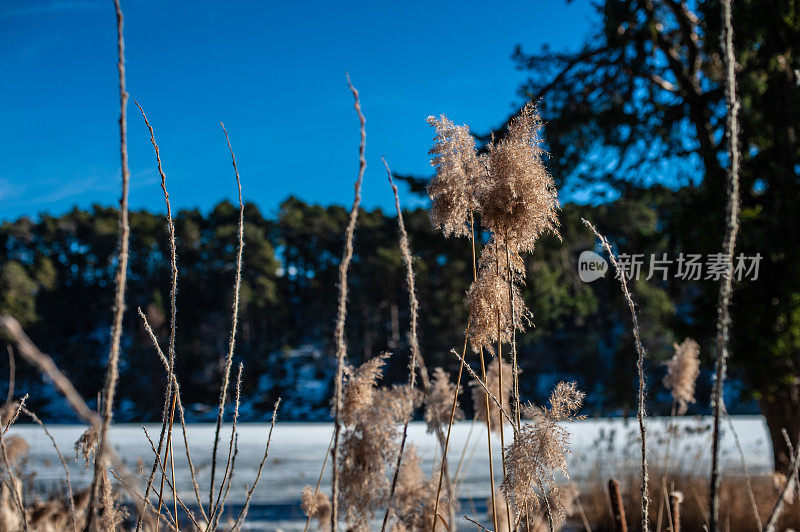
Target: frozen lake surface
[[601, 448]]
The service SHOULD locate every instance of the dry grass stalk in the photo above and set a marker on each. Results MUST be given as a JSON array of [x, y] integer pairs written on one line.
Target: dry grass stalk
[[682, 372], [785, 494], [70, 501], [11, 327], [227, 477], [728, 247], [180, 409], [539, 452], [493, 383], [168, 412], [243, 513], [487, 392], [316, 489], [405, 250], [112, 371], [617, 506], [341, 346], [171, 486], [640, 411], [12, 370], [675, 500], [223, 393], [743, 461], [11, 482]]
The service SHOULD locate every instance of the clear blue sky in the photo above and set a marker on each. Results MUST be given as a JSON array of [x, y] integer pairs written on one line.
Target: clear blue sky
[[272, 71]]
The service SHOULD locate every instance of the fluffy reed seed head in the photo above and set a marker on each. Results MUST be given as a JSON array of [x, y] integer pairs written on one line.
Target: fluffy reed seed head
[[683, 369], [360, 388], [488, 299], [415, 495], [517, 197], [539, 452], [86, 445], [458, 169], [370, 441], [316, 505], [493, 384], [440, 401], [16, 448]]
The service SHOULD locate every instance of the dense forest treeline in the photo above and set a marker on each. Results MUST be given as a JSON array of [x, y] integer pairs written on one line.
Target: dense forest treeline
[[56, 278]]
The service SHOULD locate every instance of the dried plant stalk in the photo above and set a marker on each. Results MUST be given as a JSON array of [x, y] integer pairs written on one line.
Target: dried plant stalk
[[243, 513], [640, 412], [12, 482], [728, 247], [617, 507], [223, 393], [11, 327], [168, 412], [112, 371], [70, 500], [405, 250], [341, 346], [219, 505]]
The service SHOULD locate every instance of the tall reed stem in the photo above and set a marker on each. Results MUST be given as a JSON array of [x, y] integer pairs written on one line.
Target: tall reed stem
[[728, 246], [341, 346], [640, 412], [112, 369], [405, 250], [458, 385], [223, 393], [500, 390]]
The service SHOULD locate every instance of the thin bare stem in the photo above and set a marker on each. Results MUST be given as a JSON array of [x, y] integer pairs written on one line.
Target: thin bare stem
[[405, 250], [12, 371], [167, 415], [145, 502], [12, 481], [500, 384], [640, 412], [112, 371], [172, 487], [71, 502], [517, 405], [745, 471], [165, 362], [341, 346], [455, 397], [11, 327], [474, 522], [777, 509], [243, 514], [216, 511], [223, 393], [319, 479], [728, 247], [486, 390]]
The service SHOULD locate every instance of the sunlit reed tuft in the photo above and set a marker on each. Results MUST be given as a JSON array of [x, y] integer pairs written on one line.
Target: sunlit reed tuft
[[682, 372]]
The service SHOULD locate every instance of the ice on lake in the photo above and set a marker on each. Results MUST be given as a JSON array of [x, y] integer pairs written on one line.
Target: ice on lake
[[601, 448]]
